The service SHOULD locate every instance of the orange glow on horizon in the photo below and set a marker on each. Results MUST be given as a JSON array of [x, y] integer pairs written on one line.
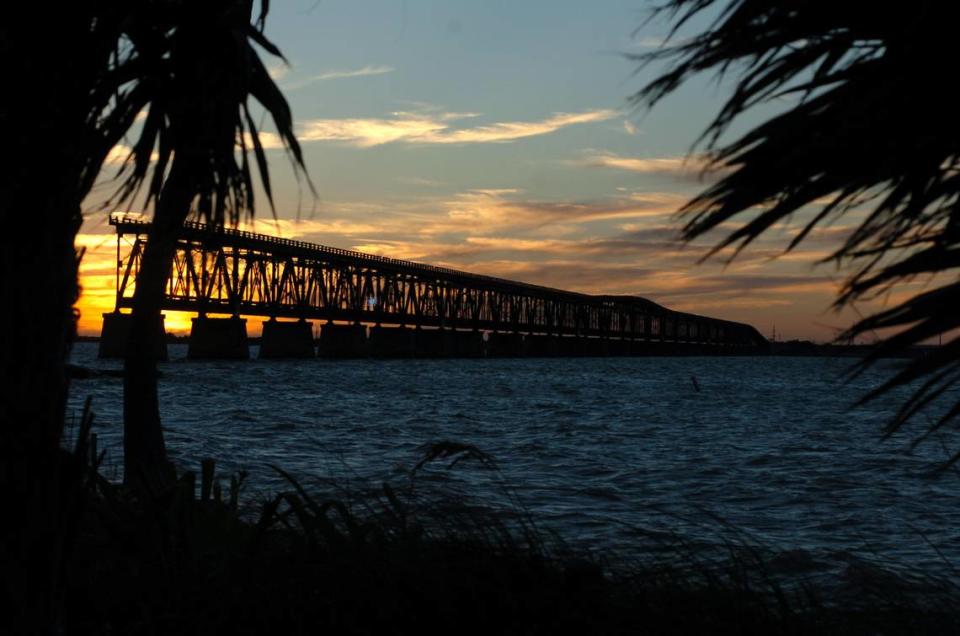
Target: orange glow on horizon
[[98, 290], [760, 291], [786, 307]]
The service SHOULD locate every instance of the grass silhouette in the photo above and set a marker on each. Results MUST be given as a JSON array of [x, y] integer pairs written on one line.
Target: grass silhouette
[[402, 560]]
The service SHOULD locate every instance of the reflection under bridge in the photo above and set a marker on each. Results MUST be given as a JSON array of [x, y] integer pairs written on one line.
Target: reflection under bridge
[[412, 309]]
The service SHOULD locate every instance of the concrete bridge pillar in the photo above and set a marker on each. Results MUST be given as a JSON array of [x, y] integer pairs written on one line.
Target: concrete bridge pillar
[[116, 331], [594, 347], [641, 347], [618, 347], [287, 339], [467, 344], [505, 345], [434, 343], [218, 338], [392, 342], [570, 346], [541, 346], [343, 341]]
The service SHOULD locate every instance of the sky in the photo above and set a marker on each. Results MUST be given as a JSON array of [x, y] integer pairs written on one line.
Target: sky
[[498, 137]]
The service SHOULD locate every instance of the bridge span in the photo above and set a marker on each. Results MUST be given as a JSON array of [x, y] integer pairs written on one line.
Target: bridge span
[[378, 306]]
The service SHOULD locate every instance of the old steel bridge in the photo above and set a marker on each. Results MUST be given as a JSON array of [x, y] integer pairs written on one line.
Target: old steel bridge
[[234, 272]]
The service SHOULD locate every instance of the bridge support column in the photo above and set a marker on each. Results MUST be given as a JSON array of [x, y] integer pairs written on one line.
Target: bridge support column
[[505, 345], [541, 346], [640, 347], [467, 344], [392, 342], [342, 341], [116, 331], [570, 346], [434, 343], [665, 348], [218, 338], [287, 339], [594, 347], [618, 347]]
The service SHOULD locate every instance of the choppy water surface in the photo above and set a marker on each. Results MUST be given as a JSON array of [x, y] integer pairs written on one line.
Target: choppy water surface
[[593, 447]]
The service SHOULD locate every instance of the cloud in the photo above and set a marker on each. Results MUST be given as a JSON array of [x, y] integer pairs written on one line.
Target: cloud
[[685, 167], [652, 41], [268, 140], [119, 153], [738, 285], [437, 128], [303, 228], [496, 210], [509, 131], [366, 71], [413, 128], [365, 133], [419, 181], [573, 275], [278, 71]]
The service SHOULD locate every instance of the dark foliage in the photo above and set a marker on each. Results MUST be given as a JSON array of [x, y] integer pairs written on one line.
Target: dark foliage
[[59, 84], [871, 128], [396, 561], [56, 142], [192, 70]]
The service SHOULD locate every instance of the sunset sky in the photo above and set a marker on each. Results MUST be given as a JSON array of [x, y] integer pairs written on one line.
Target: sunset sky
[[497, 137]]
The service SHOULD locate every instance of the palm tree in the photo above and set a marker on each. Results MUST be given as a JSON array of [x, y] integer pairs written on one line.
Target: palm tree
[[200, 70], [872, 128]]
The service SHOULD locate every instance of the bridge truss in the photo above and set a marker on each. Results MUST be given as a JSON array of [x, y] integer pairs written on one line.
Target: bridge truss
[[225, 271]]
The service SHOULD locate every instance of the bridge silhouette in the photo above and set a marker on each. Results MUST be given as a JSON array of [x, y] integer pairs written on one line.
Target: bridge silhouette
[[411, 309]]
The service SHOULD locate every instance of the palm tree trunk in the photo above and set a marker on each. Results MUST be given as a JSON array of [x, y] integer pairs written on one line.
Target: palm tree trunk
[[38, 285], [144, 452]]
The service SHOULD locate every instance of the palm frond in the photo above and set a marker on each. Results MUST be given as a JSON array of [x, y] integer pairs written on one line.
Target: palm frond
[[198, 69], [870, 128]]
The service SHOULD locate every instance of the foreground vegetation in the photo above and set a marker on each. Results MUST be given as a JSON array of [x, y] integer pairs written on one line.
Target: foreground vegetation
[[196, 559]]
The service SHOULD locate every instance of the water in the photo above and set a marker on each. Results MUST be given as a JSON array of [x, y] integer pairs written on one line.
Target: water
[[595, 448]]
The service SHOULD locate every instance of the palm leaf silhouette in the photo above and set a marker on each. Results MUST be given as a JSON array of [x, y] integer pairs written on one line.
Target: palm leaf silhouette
[[195, 70], [870, 128]]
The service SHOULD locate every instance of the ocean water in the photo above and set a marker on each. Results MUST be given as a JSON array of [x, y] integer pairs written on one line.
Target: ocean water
[[603, 451]]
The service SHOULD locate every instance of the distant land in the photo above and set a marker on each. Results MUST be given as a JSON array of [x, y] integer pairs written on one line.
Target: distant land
[[806, 348]]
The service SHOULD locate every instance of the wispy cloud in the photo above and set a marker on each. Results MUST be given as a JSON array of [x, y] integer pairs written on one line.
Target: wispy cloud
[[685, 167], [290, 228], [278, 71], [119, 153], [366, 71], [420, 181], [418, 128], [656, 41], [494, 210], [438, 128], [373, 132]]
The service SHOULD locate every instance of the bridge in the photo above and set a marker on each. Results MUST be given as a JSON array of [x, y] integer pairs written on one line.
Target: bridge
[[377, 306]]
